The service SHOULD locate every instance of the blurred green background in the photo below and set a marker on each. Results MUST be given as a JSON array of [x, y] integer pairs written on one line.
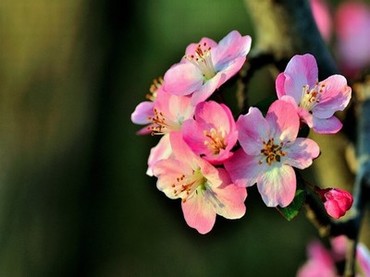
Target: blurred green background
[[74, 197]]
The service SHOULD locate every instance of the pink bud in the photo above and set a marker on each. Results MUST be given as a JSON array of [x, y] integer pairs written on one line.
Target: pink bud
[[336, 201]]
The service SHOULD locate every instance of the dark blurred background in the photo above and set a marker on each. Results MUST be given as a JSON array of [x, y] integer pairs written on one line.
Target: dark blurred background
[[74, 197]]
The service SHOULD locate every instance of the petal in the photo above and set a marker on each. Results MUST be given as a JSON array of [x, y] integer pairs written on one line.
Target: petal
[[244, 169], [300, 71], [301, 152], [277, 186], [161, 151], [182, 79], [284, 120], [231, 198], [199, 214], [280, 87], [203, 92], [231, 68], [330, 125], [142, 113], [334, 97], [252, 130], [167, 171], [232, 46]]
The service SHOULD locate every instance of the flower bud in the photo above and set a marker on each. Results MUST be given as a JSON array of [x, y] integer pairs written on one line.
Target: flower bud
[[336, 201]]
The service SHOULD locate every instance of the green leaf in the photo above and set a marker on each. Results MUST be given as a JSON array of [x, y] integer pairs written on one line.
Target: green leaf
[[292, 210]]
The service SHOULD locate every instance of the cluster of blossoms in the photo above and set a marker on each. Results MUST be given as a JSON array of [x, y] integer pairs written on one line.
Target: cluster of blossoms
[[207, 159]]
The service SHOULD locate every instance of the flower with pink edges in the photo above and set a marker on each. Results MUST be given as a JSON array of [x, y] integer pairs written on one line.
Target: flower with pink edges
[[270, 148], [207, 65], [212, 133], [316, 102], [143, 112], [165, 115], [205, 190], [336, 201]]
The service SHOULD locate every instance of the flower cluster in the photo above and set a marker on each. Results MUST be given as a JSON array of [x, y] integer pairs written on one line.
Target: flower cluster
[[207, 158]]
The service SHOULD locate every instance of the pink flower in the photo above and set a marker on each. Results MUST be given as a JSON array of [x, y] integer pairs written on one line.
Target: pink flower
[[207, 65], [205, 190], [321, 14], [320, 262], [336, 201], [270, 148], [212, 133], [316, 101], [143, 112], [353, 36]]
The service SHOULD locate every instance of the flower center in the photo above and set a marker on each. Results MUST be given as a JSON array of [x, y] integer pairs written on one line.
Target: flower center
[[273, 152], [202, 59], [310, 97], [184, 186], [215, 141], [152, 95]]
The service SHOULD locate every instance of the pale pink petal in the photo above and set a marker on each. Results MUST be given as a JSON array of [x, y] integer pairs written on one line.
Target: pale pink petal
[[231, 69], [335, 97], [253, 129], [277, 186], [167, 171], [199, 214], [230, 198], [284, 120], [161, 151], [306, 116], [233, 45], [330, 125], [142, 113], [244, 169], [300, 71], [182, 79], [300, 153], [280, 88], [202, 93]]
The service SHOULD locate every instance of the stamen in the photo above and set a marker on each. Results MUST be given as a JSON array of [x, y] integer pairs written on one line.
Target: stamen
[[216, 141], [273, 152], [202, 59], [160, 126], [311, 97], [157, 83]]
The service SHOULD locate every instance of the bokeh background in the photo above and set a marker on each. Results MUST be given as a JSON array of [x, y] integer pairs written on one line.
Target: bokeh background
[[74, 197]]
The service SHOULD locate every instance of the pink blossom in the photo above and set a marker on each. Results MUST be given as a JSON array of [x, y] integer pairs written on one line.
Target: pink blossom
[[165, 115], [270, 148], [321, 14], [212, 133], [353, 36], [336, 201], [207, 65], [319, 264], [143, 112], [205, 190], [316, 102]]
